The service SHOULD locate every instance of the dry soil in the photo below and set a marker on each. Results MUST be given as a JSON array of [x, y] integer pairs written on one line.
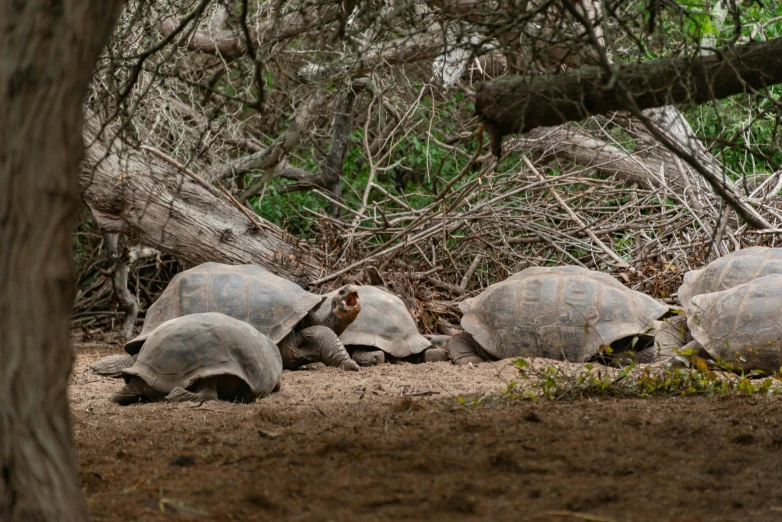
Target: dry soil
[[394, 442]]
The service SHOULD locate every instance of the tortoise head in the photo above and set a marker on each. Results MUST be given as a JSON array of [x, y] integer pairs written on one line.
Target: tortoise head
[[345, 305]]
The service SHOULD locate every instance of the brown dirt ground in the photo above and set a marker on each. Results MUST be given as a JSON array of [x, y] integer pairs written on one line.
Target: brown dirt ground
[[392, 442]]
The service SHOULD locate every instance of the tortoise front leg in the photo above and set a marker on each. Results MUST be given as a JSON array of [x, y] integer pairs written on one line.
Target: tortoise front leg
[[126, 396], [134, 391], [112, 365], [368, 357], [434, 355], [438, 351], [462, 349], [313, 344], [205, 390]]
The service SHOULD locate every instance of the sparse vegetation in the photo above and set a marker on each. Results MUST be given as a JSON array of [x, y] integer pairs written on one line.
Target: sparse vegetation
[[558, 382]]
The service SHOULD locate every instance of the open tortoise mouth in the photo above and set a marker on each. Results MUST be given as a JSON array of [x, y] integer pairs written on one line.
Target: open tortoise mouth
[[350, 300]]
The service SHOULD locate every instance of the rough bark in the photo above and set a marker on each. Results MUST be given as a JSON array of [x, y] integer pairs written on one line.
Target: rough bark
[[670, 121], [516, 104], [47, 53], [340, 137], [121, 262], [305, 179], [571, 144], [167, 210], [231, 44], [330, 178], [598, 90], [119, 280], [407, 49], [656, 164], [681, 178]]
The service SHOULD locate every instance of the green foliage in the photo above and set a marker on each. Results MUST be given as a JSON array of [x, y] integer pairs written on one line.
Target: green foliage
[[472, 402], [590, 380], [680, 27], [287, 209], [741, 131], [421, 169]]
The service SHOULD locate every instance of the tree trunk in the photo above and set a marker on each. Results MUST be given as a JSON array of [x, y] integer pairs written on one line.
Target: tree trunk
[[340, 137], [515, 104], [167, 210], [120, 266], [47, 53]]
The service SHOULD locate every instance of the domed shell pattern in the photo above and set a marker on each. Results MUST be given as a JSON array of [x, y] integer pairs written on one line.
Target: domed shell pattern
[[271, 304], [563, 313], [731, 270], [384, 323], [182, 351], [741, 325]]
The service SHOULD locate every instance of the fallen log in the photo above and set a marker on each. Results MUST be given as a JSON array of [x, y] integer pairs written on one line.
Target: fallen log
[[517, 104], [162, 207]]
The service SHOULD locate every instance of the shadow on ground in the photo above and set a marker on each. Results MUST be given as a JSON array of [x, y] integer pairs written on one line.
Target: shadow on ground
[[392, 443]]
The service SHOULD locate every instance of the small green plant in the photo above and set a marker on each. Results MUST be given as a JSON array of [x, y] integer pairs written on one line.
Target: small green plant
[[556, 382], [471, 402]]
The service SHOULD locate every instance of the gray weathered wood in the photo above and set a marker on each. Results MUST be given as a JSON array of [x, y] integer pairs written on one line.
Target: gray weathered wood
[[167, 210]]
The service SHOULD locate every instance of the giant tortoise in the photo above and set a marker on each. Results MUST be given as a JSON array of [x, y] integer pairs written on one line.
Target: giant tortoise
[[566, 313], [202, 357], [731, 270], [385, 329], [304, 326], [742, 325]]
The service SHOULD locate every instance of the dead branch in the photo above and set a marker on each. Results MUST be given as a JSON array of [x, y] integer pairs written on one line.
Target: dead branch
[[517, 104], [167, 211], [277, 151], [231, 44]]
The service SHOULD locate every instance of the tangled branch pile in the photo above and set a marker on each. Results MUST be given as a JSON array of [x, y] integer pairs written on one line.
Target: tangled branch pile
[[350, 126]]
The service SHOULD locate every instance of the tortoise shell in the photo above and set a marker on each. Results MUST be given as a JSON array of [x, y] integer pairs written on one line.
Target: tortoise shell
[[384, 323], [271, 304], [185, 350], [741, 325], [731, 270], [564, 313]]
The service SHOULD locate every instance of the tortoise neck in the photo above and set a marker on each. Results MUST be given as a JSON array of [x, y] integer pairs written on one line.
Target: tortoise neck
[[324, 315], [321, 315]]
